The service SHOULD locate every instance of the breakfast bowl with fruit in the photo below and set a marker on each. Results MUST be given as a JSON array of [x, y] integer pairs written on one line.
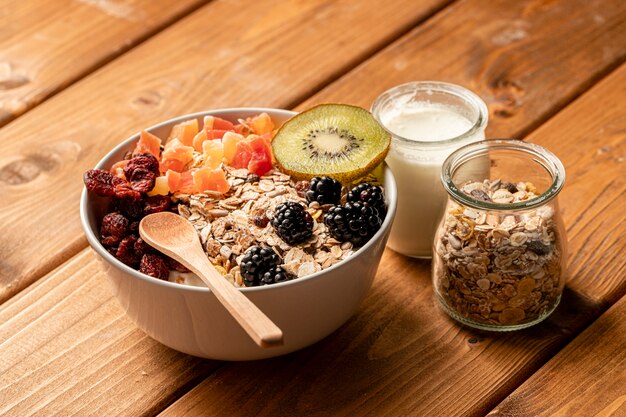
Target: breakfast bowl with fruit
[[293, 210]]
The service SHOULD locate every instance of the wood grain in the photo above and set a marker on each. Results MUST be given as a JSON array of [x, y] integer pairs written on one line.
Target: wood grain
[[401, 356], [261, 53], [587, 378], [526, 59], [67, 348], [47, 45], [590, 139]]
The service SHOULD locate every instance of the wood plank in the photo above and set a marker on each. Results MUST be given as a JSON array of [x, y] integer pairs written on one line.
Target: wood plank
[[266, 54], [67, 348], [82, 356], [47, 45], [590, 139], [526, 59], [587, 378], [400, 355]]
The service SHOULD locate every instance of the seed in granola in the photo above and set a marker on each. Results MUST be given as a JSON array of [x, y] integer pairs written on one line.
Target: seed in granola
[[483, 284], [301, 188], [538, 247], [454, 242], [511, 316], [526, 286], [531, 187], [502, 196], [518, 301], [510, 187], [266, 185], [480, 195], [260, 219], [498, 306], [518, 239], [252, 178]]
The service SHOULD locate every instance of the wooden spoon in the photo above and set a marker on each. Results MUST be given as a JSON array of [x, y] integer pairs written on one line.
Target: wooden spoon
[[176, 237]]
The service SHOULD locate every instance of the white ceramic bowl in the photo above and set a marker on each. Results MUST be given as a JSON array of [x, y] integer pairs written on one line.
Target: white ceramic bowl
[[191, 320]]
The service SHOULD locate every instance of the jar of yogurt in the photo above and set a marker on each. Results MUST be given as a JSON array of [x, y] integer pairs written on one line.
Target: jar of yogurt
[[427, 121]]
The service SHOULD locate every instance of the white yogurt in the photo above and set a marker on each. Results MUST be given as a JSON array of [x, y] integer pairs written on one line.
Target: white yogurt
[[423, 126]]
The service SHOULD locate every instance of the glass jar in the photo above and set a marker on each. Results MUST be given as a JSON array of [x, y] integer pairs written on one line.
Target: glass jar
[[500, 248], [427, 121]]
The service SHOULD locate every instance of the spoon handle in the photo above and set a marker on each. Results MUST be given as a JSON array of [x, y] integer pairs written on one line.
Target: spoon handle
[[258, 326]]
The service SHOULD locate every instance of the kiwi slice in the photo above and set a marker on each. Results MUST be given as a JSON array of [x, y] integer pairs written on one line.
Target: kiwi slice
[[342, 141]]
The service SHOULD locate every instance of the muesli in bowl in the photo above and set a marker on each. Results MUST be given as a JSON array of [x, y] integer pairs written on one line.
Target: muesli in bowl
[[258, 225]]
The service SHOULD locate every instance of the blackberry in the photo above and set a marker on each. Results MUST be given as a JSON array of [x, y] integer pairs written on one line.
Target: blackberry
[[355, 222], [370, 194], [255, 262], [275, 275], [324, 190], [292, 223]]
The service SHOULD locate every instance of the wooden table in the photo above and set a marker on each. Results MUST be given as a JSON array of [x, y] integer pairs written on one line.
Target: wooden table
[[76, 77]]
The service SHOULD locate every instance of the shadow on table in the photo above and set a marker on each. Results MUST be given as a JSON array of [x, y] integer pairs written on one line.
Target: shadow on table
[[400, 354]]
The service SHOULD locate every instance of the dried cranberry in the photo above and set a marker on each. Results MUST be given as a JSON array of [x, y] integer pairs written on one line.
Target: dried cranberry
[[175, 265], [114, 228], [301, 188], [143, 161], [133, 227], [126, 251], [101, 182], [131, 209], [125, 191], [259, 218], [142, 180], [154, 265], [141, 247], [156, 204]]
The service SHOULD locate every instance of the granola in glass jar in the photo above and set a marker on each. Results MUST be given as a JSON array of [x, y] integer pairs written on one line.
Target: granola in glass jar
[[500, 249]]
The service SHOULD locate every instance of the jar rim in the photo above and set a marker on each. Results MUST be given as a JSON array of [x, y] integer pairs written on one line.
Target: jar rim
[[437, 86], [540, 154]]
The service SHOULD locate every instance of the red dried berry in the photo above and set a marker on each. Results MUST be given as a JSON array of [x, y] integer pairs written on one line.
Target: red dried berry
[[126, 251], [131, 209], [141, 247], [114, 228], [143, 161], [124, 191], [156, 204], [155, 266], [142, 180], [301, 188], [101, 182], [175, 265], [133, 227]]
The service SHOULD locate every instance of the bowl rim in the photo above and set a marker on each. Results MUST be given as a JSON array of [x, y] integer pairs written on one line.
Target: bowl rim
[[94, 242]]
